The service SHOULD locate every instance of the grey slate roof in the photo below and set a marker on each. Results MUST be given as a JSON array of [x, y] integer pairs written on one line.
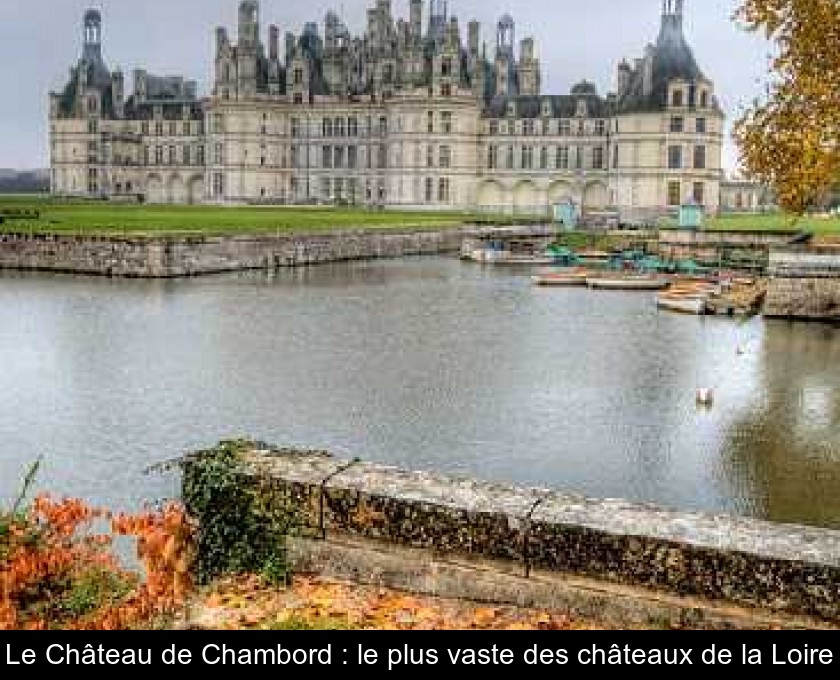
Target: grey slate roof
[[672, 59], [562, 106]]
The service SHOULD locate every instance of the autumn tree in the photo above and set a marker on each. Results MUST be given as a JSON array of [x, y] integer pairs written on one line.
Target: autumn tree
[[790, 139]]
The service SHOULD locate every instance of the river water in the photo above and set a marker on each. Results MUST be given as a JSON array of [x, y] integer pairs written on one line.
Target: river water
[[426, 363]]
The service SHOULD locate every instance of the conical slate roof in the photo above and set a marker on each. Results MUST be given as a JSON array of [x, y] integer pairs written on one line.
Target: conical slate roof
[[669, 59]]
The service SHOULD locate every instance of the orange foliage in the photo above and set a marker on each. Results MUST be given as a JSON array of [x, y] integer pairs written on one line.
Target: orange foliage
[[791, 140], [42, 554]]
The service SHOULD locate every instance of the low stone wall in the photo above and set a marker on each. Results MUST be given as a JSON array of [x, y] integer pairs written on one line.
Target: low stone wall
[[792, 570], [170, 257], [713, 246], [804, 283]]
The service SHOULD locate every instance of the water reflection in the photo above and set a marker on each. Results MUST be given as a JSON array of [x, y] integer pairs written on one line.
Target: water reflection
[[425, 363]]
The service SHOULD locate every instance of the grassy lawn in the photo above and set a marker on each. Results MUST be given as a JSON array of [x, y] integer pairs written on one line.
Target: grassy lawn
[[108, 218], [774, 222]]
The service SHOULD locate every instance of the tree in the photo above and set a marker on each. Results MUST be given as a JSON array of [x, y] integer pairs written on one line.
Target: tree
[[791, 138]]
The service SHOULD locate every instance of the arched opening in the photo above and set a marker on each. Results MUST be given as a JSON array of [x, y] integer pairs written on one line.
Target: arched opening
[[195, 190], [491, 196], [154, 190], [177, 190], [559, 192], [526, 198], [595, 196]]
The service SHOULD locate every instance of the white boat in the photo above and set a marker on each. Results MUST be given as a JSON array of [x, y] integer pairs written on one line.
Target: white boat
[[684, 304], [627, 283], [560, 279]]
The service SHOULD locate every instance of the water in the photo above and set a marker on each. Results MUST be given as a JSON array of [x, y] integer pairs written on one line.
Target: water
[[426, 363]]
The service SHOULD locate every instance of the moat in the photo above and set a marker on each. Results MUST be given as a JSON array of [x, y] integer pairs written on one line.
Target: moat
[[425, 363]]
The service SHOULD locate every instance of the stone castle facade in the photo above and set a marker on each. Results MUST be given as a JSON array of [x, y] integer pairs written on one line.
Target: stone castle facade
[[411, 114]]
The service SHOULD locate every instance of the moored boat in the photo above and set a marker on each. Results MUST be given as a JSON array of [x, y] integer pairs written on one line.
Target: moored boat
[[561, 279], [627, 283], [684, 304]]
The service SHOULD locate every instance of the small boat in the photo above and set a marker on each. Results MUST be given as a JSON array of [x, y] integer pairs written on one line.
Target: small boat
[[627, 283], [683, 304], [561, 279]]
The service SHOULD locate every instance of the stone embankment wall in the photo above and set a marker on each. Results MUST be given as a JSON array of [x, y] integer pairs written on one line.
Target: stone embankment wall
[[804, 283], [170, 257], [783, 569], [712, 246]]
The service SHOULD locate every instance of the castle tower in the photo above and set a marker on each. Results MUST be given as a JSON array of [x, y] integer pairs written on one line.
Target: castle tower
[[416, 21], [248, 48], [92, 39], [505, 58], [529, 69]]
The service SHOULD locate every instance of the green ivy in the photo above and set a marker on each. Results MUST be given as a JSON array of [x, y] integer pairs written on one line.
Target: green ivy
[[239, 531]]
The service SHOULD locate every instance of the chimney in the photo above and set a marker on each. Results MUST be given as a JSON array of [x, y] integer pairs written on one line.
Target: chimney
[[273, 43]]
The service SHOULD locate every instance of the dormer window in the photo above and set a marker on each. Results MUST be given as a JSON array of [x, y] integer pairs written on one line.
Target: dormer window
[[546, 109], [677, 99], [704, 99], [446, 68], [511, 109], [582, 110]]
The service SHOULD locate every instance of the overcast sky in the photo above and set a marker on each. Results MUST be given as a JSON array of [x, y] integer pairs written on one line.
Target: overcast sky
[[576, 39]]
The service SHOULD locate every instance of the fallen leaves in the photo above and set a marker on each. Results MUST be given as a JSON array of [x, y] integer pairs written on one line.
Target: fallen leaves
[[314, 603]]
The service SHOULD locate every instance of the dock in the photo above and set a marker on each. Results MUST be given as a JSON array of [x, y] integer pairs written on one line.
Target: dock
[[743, 299]]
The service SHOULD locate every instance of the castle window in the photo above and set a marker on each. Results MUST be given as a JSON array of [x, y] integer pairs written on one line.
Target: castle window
[[675, 158], [430, 122], [578, 158], [446, 91], [187, 156], [159, 155], [326, 127], [445, 157], [383, 126], [528, 128], [298, 76], [582, 109], [430, 190], [615, 156], [509, 162], [218, 155], [172, 160], [674, 193], [562, 158], [446, 68], [701, 126], [544, 158], [492, 158], [218, 123], [446, 122], [699, 157], [338, 127], [295, 127], [218, 184], [511, 109], [173, 129], [527, 157], [546, 108], [698, 193], [199, 154], [600, 128], [339, 157], [92, 104], [677, 99], [430, 156], [352, 127], [351, 157], [298, 98], [159, 129], [187, 128], [565, 128], [494, 127], [93, 126], [326, 157], [144, 128], [704, 99], [443, 190], [382, 156], [598, 158], [677, 124]]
